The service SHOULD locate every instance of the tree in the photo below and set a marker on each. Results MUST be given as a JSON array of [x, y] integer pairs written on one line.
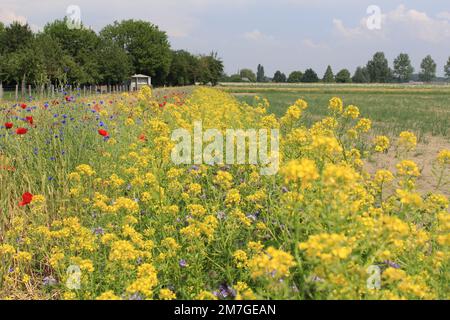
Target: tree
[[343, 76], [378, 68], [428, 72], [249, 74], [295, 77], [114, 64], [310, 76], [279, 77], [81, 44], [147, 46], [328, 76], [15, 37], [183, 69], [260, 76], [447, 69], [211, 68], [361, 75], [403, 69]]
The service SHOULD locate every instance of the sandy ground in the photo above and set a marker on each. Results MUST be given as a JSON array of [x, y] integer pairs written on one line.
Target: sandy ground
[[423, 156]]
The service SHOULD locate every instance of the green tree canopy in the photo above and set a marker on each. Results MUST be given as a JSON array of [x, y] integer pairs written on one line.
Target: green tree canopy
[[361, 75], [295, 77], [447, 69], [328, 77], [279, 77], [343, 76], [260, 75], [249, 74], [81, 44], [428, 69], [114, 63], [403, 69], [378, 69], [210, 68], [15, 37], [310, 76], [147, 46], [183, 69]]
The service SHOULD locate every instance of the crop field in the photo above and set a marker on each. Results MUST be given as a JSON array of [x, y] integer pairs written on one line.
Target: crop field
[[392, 108], [93, 205]]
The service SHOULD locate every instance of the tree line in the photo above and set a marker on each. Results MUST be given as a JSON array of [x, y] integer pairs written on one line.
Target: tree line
[[60, 55], [376, 70]]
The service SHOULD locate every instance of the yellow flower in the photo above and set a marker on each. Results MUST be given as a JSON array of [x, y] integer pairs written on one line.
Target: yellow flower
[[85, 169], [206, 295], [223, 179], [443, 157], [304, 171], [352, 112], [233, 198], [382, 143], [240, 258], [108, 295], [166, 294], [336, 105], [408, 140], [364, 125], [273, 264], [383, 176], [408, 168]]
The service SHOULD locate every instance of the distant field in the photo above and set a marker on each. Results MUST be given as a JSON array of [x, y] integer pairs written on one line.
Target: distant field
[[424, 109]]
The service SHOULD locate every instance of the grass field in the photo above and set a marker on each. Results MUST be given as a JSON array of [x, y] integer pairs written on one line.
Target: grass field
[[423, 109]]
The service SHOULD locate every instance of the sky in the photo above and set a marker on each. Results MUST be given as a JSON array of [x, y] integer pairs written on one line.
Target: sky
[[284, 35]]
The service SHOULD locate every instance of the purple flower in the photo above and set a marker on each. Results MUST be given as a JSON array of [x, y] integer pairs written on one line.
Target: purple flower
[[98, 231], [392, 264], [225, 291], [49, 281], [183, 263], [221, 215]]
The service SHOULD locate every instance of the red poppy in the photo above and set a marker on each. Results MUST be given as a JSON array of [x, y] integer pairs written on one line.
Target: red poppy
[[142, 137], [21, 131], [8, 125], [29, 120], [26, 199], [103, 133], [23, 106]]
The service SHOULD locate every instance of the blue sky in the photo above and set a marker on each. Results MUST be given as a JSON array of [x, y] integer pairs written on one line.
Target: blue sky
[[284, 34]]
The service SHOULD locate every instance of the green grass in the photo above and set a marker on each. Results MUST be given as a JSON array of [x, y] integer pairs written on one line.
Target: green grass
[[424, 109]]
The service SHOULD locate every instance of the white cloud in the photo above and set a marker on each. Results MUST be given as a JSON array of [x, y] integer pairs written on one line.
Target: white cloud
[[257, 35], [400, 23], [445, 15], [7, 16], [313, 45]]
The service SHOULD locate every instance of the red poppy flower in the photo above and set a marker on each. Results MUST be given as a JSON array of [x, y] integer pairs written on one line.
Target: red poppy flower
[[29, 120], [26, 199], [23, 106], [21, 131], [8, 125], [142, 137], [103, 133]]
